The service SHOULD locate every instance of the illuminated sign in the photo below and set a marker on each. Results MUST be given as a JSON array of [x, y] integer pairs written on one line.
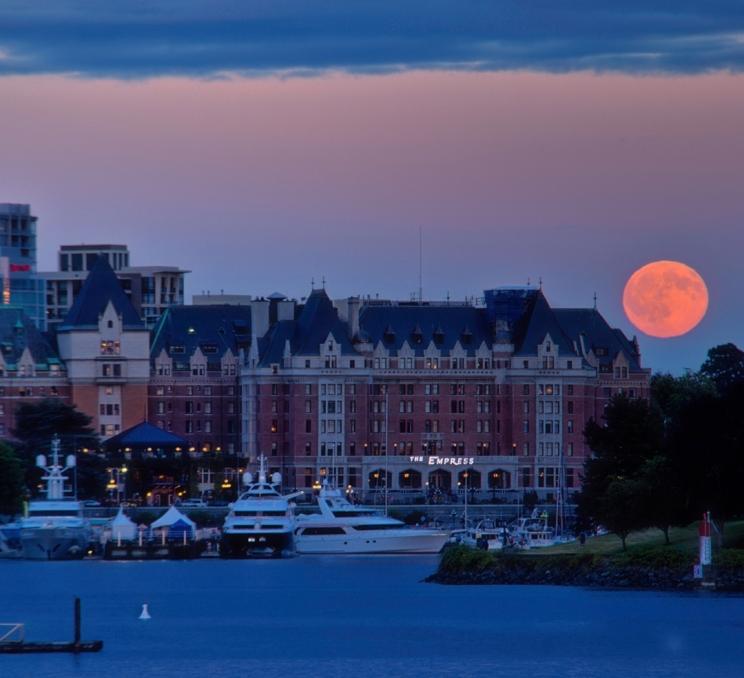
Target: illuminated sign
[[443, 461]]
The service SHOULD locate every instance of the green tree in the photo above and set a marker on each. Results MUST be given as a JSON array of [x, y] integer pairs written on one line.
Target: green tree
[[622, 507], [706, 448], [614, 492], [11, 481], [670, 394], [661, 497], [725, 366], [36, 425]]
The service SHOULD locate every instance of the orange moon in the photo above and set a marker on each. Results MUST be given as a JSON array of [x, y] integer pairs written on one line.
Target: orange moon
[[665, 299]]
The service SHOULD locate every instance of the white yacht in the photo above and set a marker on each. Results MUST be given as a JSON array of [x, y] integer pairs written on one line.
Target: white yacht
[[342, 527], [54, 528], [533, 532], [487, 535], [261, 520]]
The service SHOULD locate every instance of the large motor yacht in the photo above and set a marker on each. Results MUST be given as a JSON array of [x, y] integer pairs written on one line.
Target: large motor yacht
[[54, 528], [261, 520], [342, 527]]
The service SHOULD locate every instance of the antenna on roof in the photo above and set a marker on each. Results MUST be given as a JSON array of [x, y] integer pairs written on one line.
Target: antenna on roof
[[540, 282], [595, 301], [312, 283], [421, 265], [529, 281], [322, 282]]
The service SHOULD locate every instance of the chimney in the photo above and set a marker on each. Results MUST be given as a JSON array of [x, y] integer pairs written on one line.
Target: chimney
[[348, 311], [259, 316], [285, 309]]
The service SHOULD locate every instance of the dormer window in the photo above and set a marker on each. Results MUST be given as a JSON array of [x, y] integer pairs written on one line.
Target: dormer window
[[330, 346], [389, 334], [438, 335], [417, 334], [466, 335], [547, 347], [110, 324]]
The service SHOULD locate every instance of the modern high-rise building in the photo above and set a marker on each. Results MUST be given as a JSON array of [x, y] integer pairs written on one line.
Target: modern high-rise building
[[21, 286], [151, 289]]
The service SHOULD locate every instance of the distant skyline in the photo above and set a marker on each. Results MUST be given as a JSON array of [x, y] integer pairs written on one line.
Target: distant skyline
[[261, 152]]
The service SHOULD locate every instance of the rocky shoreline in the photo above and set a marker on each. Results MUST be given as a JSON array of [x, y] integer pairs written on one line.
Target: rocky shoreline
[[657, 569]]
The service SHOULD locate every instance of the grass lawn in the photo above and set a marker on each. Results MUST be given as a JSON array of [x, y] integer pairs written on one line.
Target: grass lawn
[[682, 538]]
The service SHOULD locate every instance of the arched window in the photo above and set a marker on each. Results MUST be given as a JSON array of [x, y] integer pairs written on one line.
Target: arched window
[[469, 478], [409, 479], [499, 479], [440, 479], [377, 479]]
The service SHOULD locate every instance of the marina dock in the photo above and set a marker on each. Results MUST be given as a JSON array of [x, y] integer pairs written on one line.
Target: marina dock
[[12, 640]]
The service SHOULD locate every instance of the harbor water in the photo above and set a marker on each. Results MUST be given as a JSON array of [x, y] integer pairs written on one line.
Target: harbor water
[[356, 616]]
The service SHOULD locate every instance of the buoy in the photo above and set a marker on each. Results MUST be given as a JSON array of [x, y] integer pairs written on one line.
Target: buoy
[[145, 614]]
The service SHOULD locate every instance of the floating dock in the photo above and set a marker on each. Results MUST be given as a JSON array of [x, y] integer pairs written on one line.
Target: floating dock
[[13, 641], [156, 551]]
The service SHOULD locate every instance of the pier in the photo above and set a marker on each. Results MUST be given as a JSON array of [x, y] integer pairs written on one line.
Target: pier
[[12, 639]]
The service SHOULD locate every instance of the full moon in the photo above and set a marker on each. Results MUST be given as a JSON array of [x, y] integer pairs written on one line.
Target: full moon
[[665, 299]]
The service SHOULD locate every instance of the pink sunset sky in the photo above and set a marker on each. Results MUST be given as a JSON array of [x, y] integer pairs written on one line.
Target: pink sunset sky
[[260, 184]]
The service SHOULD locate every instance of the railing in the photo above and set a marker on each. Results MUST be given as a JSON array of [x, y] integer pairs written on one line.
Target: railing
[[12, 633]]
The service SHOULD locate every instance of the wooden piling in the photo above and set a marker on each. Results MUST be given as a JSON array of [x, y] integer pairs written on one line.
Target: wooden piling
[[76, 646]]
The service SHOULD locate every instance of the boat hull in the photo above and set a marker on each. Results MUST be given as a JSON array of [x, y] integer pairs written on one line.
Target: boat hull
[[54, 543], [245, 544], [366, 543]]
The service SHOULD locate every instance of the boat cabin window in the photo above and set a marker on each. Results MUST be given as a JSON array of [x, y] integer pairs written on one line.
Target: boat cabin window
[[45, 513], [351, 514], [254, 514], [322, 530], [377, 526]]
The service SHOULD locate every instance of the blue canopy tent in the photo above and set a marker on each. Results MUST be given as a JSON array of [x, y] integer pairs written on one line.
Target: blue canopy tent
[[177, 530]]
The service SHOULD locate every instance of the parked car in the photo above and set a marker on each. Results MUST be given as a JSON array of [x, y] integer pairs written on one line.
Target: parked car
[[193, 503], [91, 503]]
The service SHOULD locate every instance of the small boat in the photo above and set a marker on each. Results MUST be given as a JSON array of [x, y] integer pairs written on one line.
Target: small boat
[[261, 521], [487, 535], [343, 528], [533, 532], [55, 528]]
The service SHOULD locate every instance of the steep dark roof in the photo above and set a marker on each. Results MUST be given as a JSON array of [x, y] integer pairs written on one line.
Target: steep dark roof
[[271, 346], [17, 331], [213, 328], [101, 287], [317, 319], [597, 334], [144, 435], [538, 321], [419, 325]]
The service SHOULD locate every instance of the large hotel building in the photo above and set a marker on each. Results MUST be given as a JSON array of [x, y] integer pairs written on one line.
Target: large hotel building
[[433, 397], [424, 397]]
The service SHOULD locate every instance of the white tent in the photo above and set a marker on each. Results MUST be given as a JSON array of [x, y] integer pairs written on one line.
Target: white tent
[[122, 527], [171, 516]]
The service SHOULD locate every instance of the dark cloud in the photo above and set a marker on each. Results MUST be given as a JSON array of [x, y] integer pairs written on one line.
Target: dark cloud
[[144, 38]]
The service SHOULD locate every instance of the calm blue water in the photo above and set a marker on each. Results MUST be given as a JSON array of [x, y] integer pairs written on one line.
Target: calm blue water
[[356, 616]]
